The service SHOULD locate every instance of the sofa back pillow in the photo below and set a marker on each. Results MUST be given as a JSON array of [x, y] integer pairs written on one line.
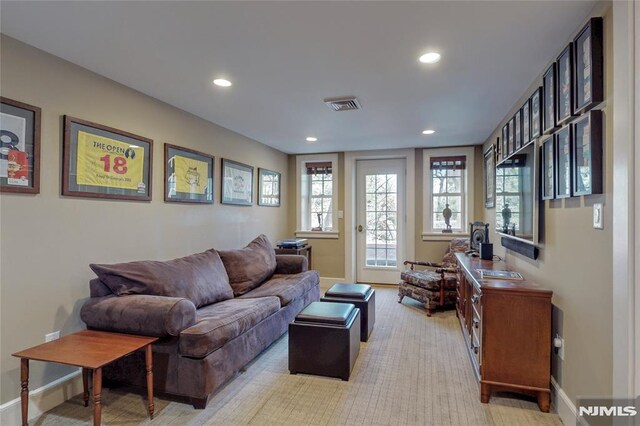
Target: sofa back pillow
[[201, 278], [251, 266]]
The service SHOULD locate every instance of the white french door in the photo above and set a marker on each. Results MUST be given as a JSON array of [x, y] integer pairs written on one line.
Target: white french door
[[381, 220]]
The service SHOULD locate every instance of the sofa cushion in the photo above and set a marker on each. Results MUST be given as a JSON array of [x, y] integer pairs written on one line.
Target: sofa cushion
[[219, 323], [201, 278], [249, 267], [139, 314], [286, 287]]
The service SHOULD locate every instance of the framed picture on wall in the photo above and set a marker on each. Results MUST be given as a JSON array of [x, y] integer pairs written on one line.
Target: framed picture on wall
[[512, 136], [526, 122], [563, 142], [103, 162], [549, 82], [589, 66], [489, 178], [237, 183], [536, 113], [587, 154], [268, 188], [548, 172], [188, 175], [518, 130], [504, 149], [565, 86], [19, 147]]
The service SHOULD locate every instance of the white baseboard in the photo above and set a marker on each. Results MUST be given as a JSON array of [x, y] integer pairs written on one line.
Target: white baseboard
[[564, 406], [42, 399]]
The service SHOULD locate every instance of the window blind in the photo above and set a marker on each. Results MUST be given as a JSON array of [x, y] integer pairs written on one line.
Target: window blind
[[458, 162], [319, 168]]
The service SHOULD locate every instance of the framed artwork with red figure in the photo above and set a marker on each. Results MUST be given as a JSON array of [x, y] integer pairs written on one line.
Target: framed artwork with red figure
[[564, 112]]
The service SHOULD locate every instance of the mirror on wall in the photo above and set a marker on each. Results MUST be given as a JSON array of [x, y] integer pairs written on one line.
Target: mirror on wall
[[516, 195]]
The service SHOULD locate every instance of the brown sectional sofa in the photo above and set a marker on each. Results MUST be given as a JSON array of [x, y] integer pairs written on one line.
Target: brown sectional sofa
[[214, 312]]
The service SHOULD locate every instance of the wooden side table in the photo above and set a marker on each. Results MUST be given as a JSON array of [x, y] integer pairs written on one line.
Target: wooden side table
[[90, 350], [301, 251]]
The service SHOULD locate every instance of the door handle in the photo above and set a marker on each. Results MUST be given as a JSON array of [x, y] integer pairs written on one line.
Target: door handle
[[359, 228]]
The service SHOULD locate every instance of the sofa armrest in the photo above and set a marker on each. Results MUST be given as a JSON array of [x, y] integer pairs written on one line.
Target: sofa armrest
[[291, 264], [139, 314]]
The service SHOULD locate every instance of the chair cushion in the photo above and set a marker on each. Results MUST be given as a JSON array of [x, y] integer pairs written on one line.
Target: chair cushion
[[429, 280], [219, 323], [424, 279], [286, 287], [201, 278], [249, 267]]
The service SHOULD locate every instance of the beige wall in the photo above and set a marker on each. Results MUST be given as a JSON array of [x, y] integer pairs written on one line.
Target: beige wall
[[328, 254], [575, 262], [433, 251], [48, 240]]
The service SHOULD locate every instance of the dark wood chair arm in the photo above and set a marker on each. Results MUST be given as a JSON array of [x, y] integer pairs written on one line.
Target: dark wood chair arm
[[428, 264], [446, 270]]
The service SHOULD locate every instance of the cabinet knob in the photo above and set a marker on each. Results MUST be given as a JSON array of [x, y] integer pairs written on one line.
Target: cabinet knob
[[476, 323], [474, 299]]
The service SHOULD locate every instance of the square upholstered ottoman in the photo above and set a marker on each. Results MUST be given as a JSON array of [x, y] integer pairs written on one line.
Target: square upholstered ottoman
[[324, 340], [361, 295]]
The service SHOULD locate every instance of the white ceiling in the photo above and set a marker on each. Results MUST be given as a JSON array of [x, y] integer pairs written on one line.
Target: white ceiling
[[285, 57]]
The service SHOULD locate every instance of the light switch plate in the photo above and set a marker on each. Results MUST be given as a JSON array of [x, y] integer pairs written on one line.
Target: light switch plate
[[597, 216], [340, 214]]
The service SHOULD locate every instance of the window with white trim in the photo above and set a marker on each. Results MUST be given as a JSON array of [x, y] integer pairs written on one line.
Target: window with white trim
[[508, 194], [448, 190], [317, 195]]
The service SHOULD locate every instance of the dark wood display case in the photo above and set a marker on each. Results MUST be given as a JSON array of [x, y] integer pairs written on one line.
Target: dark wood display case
[[507, 331]]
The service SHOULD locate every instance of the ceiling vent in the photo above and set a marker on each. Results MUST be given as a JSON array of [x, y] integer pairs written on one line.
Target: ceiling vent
[[342, 104]]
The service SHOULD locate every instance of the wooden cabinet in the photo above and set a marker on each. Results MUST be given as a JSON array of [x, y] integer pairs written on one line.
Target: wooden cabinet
[[507, 331]]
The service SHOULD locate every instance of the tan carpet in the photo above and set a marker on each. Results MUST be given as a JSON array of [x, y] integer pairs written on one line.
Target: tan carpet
[[413, 371]]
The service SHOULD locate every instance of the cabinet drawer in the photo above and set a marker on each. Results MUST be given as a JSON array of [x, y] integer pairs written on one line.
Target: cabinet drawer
[[475, 347]]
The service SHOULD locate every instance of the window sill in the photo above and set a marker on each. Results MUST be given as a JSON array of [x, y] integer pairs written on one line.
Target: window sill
[[439, 236], [332, 235]]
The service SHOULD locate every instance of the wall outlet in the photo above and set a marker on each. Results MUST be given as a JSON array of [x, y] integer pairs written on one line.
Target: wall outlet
[[52, 336], [558, 345], [597, 216]]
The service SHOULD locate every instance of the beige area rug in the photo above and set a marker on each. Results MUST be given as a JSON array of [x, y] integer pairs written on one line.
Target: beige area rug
[[413, 371]]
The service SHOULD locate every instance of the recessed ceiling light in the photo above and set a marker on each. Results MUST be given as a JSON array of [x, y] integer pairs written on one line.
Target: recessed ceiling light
[[429, 58], [428, 132], [312, 139], [222, 82]]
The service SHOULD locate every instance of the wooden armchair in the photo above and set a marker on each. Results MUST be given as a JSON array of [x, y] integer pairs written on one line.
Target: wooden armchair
[[434, 286]]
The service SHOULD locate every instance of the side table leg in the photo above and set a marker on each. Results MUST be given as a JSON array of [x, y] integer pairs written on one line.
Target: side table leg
[[149, 364], [97, 396], [485, 393], [543, 401], [85, 386], [24, 392]]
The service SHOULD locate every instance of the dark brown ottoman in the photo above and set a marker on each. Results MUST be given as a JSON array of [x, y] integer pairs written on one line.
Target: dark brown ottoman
[[324, 340], [361, 295]]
